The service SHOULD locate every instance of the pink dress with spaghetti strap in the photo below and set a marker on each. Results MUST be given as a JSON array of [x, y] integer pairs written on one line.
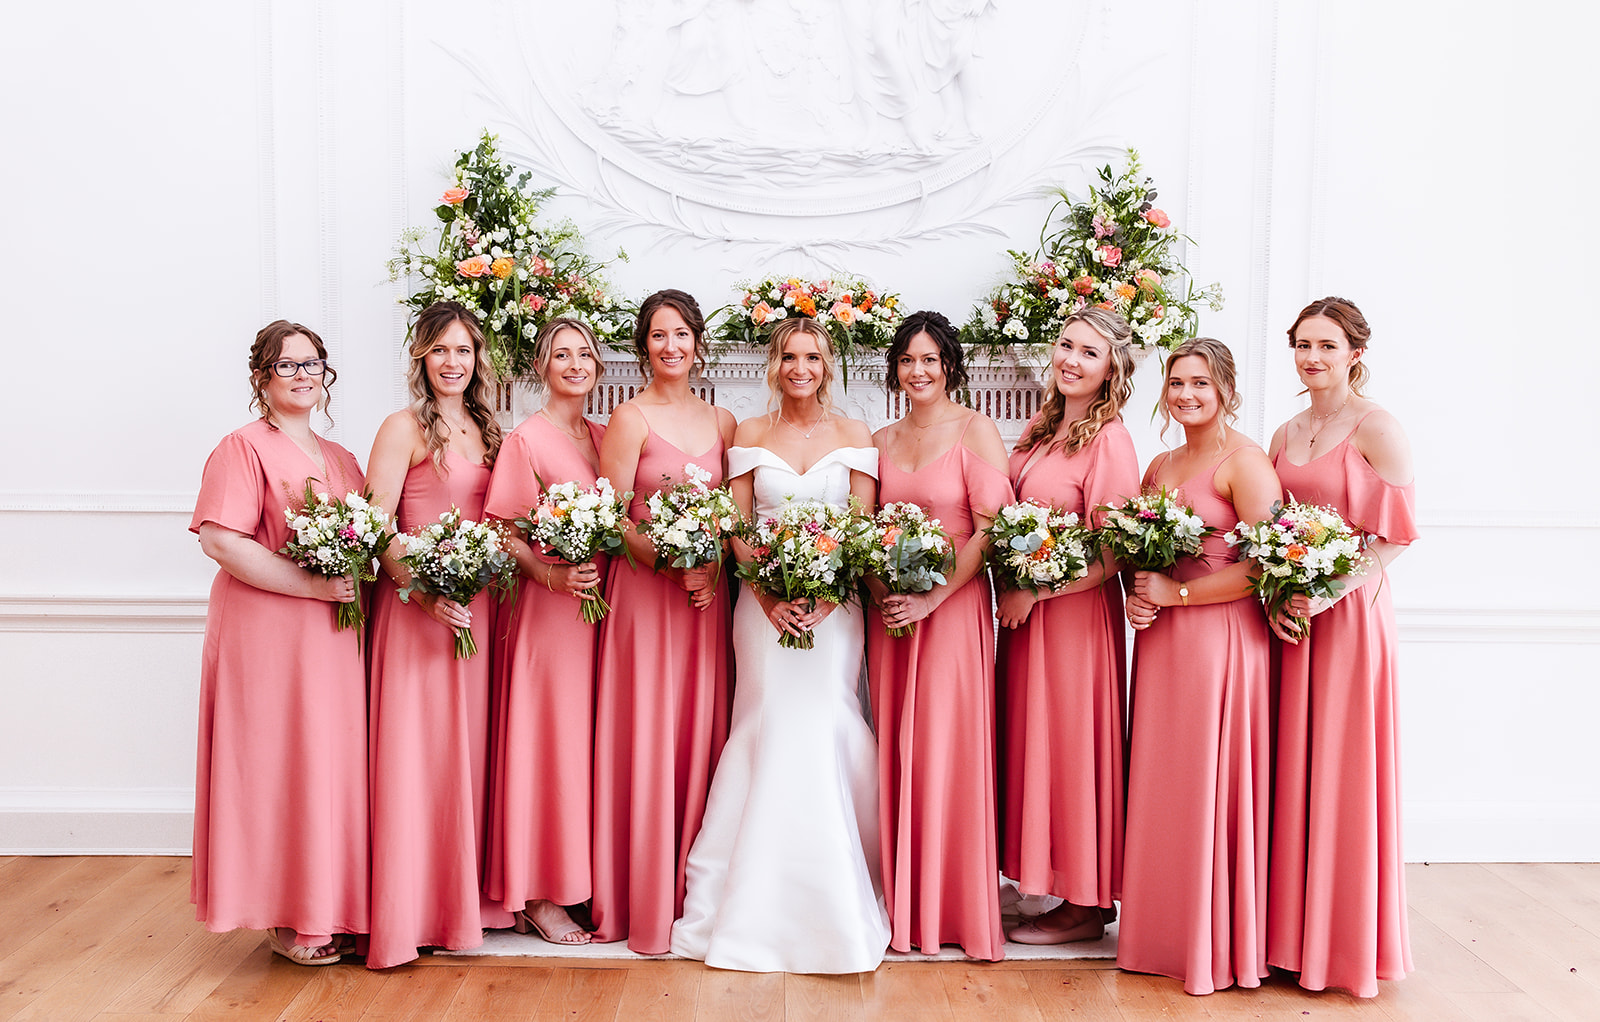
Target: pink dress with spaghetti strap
[[661, 717], [933, 707], [1194, 876], [1337, 907]]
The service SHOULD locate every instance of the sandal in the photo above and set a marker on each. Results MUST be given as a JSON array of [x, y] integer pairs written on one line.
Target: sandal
[[1032, 932], [573, 935], [299, 954]]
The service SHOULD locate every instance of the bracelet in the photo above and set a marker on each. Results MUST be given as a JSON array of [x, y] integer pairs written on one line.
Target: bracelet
[[549, 573]]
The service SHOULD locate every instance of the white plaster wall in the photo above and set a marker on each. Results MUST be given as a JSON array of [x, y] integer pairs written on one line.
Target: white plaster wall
[[180, 173]]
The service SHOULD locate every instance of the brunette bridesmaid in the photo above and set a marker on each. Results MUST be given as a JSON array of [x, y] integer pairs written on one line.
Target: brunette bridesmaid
[[661, 712], [280, 821], [539, 817], [1194, 881], [1337, 910], [933, 691], [1061, 660], [430, 711]]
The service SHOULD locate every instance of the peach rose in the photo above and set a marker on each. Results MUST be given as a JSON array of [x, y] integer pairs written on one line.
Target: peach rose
[[540, 267], [455, 196], [1109, 255], [501, 267], [477, 266], [1148, 279], [827, 544], [891, 535], [844, 312], [1157, 217], [1084, 286], [759, 314]]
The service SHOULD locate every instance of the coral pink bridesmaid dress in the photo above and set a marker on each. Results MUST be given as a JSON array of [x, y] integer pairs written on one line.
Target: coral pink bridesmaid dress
[[933, 706], [661, 717], [1337, 910], [543, 756], [280, 820], [1062, 678], [1194, 877], [430, 750]]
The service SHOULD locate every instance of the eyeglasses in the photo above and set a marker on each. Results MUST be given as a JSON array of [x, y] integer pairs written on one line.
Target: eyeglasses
[[312, 367]]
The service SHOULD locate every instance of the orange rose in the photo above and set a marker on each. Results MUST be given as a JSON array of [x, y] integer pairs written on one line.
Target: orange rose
[[455, 196], [891, 535], [477, 266], [1105, 305], [1294, 552], [501, 267], [804, 305], [868, 301], [827, 544], [1158, 218]]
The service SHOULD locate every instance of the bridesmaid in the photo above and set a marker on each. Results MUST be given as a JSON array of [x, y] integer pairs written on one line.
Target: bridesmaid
[[539, 812], [1337, 904], [1194, 880], [429, 711], [280, 821], [661, 712], [933, 691], [1062, 703]]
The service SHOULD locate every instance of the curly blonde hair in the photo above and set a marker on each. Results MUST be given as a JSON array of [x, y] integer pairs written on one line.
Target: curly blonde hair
[[1219, 366], [780, 335], [1107, 405], [431, 324]]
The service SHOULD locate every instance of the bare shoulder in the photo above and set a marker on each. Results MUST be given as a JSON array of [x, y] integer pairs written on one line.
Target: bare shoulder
[[752, 431], [628, 427], [400, 426], [983, 439], [726, 424], [1382, 442], [1279, 438], [854, 433]]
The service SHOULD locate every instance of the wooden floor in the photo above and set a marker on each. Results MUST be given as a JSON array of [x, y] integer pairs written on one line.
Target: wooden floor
[[114, 940]]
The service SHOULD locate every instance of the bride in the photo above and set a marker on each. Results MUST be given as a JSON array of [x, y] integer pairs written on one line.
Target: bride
[[780, 878]]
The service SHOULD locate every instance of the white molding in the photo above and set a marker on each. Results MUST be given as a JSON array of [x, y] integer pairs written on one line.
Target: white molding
[[96, 821], [94, 503], [103, 614], [1498, 625]]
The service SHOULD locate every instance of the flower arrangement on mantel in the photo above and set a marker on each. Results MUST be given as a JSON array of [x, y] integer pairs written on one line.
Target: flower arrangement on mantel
[[1114, 250], [858, 317], [496, 257]]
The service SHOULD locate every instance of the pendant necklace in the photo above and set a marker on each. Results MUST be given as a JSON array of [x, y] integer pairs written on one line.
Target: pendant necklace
[[580, 436], [1317, 431], [803, 432]]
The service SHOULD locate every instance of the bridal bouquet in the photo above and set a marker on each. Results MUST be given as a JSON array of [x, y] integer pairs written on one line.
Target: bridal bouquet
[[909, 553], [338, 537], [1151, 531], [1301, 549], [688, 521], [577, 523], [458, 559], [856, 316], [1036, 547], [497, 257], [1114, 250], [809, 552]]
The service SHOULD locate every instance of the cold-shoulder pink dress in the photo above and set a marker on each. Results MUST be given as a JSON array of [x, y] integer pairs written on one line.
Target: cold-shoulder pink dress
[[1194, 876], [933, 707], [1337, 910], [661, 717], [430, 750], [1062, 677], [280, 816], [543, 758]]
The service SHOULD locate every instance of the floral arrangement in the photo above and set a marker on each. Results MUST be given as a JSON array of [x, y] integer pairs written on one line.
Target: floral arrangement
[[688, 521], [339, 537], [458, 559], [1113, 250], [578, 523], [811, 551], [856, 316], [1036, 547], [1301, 549], [909, 552], [495, 257], [1151, 531]]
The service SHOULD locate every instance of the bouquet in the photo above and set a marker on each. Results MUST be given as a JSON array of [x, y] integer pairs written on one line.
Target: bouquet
[[337, 538], [495, 257], [1036, 547], [1151, 531], [857, 317], [1301, 549], [689, 520], [458, 559], [1113, 250], [578, 522], [809, 552], [909, 553]]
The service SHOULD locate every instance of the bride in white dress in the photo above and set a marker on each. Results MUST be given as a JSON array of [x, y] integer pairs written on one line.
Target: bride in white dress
[[783, 876]]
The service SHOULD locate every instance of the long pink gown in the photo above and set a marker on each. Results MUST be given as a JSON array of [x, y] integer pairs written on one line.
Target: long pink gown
[[280, 816], [430, 750], [542, 776], [1194, 878], [933, 706], [661, 717], [1062, 678], [1337, 905]]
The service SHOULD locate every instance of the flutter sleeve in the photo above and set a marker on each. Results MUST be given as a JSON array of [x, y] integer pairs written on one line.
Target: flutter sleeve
[[514, 485], [232, 488], [1380, 508], [1113, 474], [988, 488]]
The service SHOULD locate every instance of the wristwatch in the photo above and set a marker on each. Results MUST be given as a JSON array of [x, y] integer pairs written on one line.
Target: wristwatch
[[1183, 593]]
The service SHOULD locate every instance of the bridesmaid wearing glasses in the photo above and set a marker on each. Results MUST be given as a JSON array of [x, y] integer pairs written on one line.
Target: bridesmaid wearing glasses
[[280, 821]]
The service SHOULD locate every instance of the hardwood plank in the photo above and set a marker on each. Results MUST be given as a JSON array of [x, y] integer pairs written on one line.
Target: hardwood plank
[[905, 992], [43, 890], [582, 995], [977, 990], [815, 998], [189, 972], [1069, 994], [333, 993], [669, 992], [257, 990], [1138, 996], [1571, 889], [741, 996], [499, 993], [422, 994], [138, 1016], [52, 955], [1451, 964]]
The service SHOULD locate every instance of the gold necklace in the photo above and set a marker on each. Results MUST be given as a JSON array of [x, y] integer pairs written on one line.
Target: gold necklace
[[1317, 430], [582, 434]]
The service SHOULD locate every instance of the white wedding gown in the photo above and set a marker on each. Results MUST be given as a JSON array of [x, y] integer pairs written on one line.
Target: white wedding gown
[[784, 876]]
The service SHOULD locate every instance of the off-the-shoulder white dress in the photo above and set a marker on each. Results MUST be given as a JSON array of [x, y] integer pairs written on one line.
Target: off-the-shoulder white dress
[[784, 876]]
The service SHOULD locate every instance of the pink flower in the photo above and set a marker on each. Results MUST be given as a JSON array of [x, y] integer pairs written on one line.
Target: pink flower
[[540, 267], [454, 196], [1084, 286], [1108, 255], [1157, 217], [533, 302], [476, 266], [1101, 228], [1148, 279]]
